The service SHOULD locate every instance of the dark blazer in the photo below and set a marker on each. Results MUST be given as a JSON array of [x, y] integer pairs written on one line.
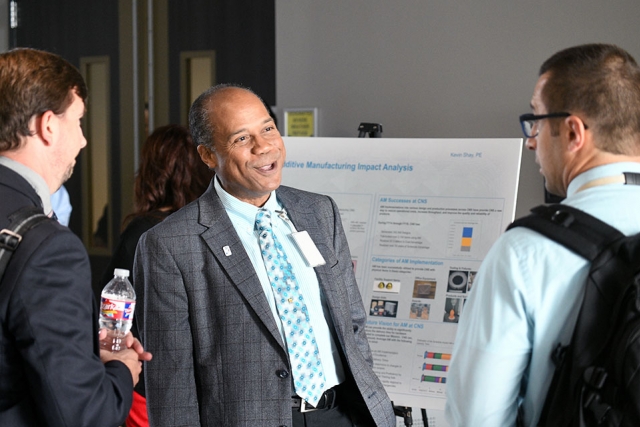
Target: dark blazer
[[219, 359], [50, 369]]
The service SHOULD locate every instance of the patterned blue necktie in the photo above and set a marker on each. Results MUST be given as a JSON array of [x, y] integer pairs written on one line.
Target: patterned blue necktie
[[308, 377]]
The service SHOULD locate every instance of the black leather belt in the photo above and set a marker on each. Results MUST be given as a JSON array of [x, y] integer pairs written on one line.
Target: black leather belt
[[328, 400]]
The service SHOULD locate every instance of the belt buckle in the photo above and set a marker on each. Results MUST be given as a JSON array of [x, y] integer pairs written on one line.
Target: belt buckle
[[303, 406]]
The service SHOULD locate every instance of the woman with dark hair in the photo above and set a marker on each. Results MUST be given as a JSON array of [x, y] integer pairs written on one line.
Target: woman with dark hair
[[170, 176]]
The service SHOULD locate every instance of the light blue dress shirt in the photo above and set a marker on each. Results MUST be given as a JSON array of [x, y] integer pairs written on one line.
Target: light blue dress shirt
[[242, 217], [61, 205], [525, 300]]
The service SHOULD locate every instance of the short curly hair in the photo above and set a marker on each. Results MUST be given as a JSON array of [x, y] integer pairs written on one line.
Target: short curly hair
[[200, 123], [33, 82]]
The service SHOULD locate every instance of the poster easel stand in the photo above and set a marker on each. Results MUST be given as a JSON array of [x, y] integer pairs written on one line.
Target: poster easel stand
[[374, 130]]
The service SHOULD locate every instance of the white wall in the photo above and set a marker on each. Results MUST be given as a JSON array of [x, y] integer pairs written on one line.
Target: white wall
[[434, 68]]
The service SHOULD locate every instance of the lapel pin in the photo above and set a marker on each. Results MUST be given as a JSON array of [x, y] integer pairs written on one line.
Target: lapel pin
[[227, 250]]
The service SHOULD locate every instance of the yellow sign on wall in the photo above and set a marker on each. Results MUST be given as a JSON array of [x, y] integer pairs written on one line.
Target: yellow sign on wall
[[300, 122]]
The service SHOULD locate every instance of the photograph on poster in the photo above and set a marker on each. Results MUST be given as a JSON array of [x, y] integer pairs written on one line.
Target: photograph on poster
[[457, 281], [424, 289], [383, 308], [387, 286], [472, 277], [452, 309], [419, 311]]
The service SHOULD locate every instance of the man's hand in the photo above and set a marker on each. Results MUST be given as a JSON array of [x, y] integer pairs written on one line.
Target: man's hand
[[127, 356], [133, 354], [133, 343], [130, 342]]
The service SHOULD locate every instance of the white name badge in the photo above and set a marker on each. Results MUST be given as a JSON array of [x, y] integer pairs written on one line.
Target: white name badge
[[308, 249]]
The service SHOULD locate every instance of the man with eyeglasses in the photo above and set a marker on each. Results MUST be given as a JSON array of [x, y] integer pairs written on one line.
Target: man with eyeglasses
[[585, 131]]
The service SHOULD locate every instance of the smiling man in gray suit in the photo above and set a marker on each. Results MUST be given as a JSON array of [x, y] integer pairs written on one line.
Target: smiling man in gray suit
[[211, 313]]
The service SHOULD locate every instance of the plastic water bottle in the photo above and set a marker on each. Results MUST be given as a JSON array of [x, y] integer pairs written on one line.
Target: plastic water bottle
[[118, 302]]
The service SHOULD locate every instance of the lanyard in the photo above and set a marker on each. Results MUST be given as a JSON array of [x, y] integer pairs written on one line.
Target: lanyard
[[627, 178], [283, 216]]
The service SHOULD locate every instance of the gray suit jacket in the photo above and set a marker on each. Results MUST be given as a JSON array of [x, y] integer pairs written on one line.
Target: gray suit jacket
[[219, 359]]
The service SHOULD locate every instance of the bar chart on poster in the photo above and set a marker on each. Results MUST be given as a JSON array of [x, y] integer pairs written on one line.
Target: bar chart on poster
[[419, 215]]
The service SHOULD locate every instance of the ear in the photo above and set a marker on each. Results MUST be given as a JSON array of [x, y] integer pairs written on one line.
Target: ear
[[576, 133], [207, 156], [46, 127]]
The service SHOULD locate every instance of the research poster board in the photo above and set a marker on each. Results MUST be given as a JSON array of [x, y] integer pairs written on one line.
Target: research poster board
[[419, 215]]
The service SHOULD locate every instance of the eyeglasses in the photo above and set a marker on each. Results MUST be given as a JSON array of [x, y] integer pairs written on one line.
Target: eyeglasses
[[527, 121]]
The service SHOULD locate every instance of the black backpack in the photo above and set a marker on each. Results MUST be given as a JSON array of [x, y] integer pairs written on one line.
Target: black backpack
[[597, 376], [20, 222]]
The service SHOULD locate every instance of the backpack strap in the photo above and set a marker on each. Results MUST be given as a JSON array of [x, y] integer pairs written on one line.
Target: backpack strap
[[631, 178], [20, 222], [573, 228]]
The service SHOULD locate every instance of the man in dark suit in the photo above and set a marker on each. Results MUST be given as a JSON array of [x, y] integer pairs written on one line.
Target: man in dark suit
[[209, 309], [51, 369]]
